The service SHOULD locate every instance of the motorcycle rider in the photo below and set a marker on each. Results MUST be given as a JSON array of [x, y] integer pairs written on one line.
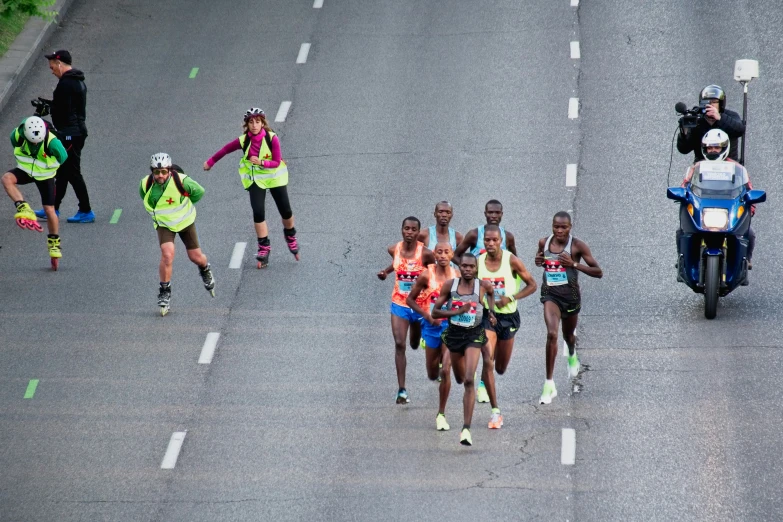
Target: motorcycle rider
[[716, 146], [716, 116]]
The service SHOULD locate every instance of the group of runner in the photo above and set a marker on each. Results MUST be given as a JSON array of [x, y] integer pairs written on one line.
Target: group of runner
[[456, 296]]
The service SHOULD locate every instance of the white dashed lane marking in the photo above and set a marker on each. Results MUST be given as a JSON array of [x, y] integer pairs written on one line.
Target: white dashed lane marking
[[571, 175], [320, 3], [237, 255], [568, 449], [172, 452], [208, 351], [574, 3], [304, 50], [282, 112], [573, 108], [575, 52]]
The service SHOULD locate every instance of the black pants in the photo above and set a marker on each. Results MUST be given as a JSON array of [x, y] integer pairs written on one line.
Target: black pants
[[258, 196], [71, 172]]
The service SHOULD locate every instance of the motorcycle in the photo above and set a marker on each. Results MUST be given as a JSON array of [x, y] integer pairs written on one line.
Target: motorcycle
[[715, 214]]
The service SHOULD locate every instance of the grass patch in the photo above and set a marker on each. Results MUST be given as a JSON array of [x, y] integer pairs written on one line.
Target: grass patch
[[10, 29]]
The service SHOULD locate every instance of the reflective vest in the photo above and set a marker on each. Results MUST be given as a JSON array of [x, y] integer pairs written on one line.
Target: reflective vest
[[173, 210], [264, 178], [41, 166]]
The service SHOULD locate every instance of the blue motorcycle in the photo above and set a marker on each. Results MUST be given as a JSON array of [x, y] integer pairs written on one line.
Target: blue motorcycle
[[715, 212]]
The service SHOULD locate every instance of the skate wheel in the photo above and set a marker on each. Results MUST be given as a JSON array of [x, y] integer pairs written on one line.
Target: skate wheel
[[55, 263], [261, 265], [212, 293], [163, 311], [296, 256]]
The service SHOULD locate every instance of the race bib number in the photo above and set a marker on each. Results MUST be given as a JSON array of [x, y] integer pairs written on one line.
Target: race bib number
[[555, 273], [498, 284], [405, 281], [467, 319]]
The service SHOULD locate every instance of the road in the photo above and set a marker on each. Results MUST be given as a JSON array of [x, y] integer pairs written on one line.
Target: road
[[399, 105]]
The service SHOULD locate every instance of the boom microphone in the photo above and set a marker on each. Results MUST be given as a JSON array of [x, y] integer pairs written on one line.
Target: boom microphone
[[681, 107]]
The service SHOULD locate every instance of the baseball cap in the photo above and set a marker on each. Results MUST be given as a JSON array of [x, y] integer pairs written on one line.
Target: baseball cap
[[62, 55]]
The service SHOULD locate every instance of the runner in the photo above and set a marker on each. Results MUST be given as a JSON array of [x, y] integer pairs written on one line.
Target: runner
[[169, 197], [261, 168], [437, 359], [465, 337], [38, 156], [409, 257], [474, 243], [501, 269], [560, 254], [474, 240], [441, 231]]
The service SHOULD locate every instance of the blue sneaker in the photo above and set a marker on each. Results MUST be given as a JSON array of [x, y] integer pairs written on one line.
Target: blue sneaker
[[41, 214], [82, 217]]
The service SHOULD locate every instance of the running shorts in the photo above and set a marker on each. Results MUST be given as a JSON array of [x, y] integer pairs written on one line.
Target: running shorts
[[45, 186], [405, 312], [431, 334], [188, 236], [457, 339], [567, 308], [506, 327]]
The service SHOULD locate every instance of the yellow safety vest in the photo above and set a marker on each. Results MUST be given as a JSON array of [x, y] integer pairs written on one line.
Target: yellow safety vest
[[173, 210], [264, 178], [41, 166]]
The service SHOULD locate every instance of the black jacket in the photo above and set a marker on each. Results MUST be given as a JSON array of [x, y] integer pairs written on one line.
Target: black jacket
[[730, 122], [69, 102]]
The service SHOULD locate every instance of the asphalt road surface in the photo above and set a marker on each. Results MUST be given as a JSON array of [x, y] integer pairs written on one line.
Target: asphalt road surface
[[399, 104]]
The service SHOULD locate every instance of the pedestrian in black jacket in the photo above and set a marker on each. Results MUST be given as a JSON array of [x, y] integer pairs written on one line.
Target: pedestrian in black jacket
[[68, 105], [717, 116]]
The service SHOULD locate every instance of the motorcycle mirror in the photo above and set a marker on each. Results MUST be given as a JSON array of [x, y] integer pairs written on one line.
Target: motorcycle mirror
[[755, 196], [746, 70], [678, 193]]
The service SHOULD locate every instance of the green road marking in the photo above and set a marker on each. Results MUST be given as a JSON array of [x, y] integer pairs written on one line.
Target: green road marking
[[193, 72], [116, 216], [31, 386]]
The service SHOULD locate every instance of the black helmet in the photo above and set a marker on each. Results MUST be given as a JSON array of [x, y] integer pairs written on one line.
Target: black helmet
[[713, 92]]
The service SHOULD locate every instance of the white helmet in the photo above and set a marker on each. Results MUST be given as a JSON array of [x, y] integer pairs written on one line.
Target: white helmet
[[253, 111], [161, 160], [34, 129], [715, 138]]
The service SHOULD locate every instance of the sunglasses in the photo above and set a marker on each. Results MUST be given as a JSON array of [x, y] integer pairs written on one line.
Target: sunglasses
[[158, 172]]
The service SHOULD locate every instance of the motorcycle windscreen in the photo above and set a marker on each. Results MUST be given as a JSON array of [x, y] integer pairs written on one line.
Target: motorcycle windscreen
[[719, 180]]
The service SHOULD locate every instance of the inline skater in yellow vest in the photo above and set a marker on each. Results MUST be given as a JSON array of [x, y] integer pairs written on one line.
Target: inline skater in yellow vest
[[169, 197], [38, 156], [262, 168]]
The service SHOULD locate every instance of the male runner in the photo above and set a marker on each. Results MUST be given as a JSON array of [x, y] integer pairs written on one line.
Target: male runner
[[441, 231], [560, 254], [409, 257], [464, 337], [437, 359], [501, 268], [474, 240], [474, 243]]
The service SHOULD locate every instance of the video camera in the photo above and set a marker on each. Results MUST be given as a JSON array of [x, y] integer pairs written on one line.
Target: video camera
[[690, 117], [42, 106]]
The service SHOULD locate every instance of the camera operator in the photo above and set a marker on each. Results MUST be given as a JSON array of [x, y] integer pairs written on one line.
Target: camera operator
[[714, 115], [68, 106]]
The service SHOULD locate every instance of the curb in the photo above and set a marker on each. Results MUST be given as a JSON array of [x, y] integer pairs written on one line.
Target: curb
[[28, 45]]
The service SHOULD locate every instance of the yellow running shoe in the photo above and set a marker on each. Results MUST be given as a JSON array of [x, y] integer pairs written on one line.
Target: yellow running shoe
[[481, 393], [464, 438], [441, 424]]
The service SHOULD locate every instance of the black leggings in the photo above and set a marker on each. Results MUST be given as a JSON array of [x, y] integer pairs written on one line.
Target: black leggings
[[257, 197]]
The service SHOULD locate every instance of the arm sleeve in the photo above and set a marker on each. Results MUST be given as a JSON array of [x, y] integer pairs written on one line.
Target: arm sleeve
[[57, 149], [195, 190], [277, 156], [141, 191], [227, 148], [732, 124]]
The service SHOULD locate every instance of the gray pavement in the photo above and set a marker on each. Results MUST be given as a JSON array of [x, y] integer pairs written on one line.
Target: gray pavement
[[399, 105]]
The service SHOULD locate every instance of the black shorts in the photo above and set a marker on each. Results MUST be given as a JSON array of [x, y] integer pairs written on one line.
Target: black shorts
[[457, 339], [567, 307], [45, 187], [506, 327]]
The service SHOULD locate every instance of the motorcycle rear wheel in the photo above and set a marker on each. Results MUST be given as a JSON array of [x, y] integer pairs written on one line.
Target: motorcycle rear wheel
[[711, 286]]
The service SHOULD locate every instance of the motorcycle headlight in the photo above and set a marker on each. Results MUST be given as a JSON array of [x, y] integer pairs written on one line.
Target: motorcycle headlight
[[715, 218]]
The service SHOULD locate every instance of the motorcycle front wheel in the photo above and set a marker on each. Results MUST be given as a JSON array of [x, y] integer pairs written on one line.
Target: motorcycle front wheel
[[711, 286]]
